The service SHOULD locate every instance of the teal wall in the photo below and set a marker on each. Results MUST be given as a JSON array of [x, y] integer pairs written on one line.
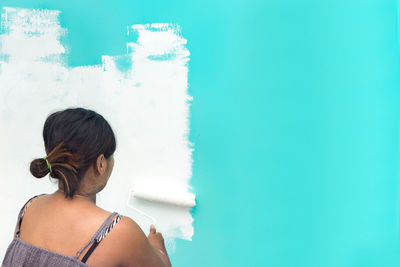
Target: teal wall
[[295, 122]]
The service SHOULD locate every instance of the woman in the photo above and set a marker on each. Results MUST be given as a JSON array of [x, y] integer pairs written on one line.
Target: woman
[[66, 228]]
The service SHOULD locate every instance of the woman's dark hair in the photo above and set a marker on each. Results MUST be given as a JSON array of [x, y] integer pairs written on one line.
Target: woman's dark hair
[[73, 140]]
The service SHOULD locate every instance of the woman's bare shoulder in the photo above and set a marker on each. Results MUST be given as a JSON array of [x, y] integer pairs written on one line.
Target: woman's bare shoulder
[[129, 231], [129, 244]]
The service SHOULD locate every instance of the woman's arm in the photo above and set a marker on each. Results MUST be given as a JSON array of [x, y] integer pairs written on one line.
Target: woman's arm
[[157, 241]]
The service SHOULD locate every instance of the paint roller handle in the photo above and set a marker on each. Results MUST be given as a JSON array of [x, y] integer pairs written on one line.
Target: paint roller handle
[[157, 241]]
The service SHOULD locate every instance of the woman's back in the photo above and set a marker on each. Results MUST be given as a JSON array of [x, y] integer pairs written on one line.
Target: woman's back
[[64, 226]]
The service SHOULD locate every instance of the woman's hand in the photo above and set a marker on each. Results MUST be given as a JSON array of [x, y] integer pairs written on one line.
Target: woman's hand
[[157, 241]]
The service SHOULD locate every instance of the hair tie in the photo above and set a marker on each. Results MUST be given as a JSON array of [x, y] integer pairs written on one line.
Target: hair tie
[[48, 163]]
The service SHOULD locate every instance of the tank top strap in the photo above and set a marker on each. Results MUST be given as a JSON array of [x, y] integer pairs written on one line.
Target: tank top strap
[[100, 234], [22, 213]]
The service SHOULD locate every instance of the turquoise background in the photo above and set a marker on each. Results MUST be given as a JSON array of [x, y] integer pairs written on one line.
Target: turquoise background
[[295, 122]]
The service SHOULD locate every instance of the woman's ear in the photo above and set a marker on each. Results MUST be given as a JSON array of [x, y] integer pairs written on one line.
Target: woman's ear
[[101, 164]]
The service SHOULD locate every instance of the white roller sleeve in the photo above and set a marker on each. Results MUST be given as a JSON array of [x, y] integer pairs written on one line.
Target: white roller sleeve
[[163, 194]]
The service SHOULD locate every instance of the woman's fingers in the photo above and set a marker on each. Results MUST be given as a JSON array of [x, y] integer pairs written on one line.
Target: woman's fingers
[[152, 229], [155, 236]]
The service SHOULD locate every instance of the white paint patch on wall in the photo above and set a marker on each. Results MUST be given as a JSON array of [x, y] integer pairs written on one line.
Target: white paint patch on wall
[[145, 100]]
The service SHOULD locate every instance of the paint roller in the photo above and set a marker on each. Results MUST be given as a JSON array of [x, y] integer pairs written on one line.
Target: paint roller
[[161, 193]]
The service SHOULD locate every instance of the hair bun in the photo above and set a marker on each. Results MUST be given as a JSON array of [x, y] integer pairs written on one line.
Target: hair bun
[[39, 168]]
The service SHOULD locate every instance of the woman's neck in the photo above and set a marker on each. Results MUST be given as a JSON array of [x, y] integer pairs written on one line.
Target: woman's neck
[[88, 197]]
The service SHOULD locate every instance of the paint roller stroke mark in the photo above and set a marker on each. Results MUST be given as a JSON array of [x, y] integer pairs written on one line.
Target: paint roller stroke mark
[[143, 93], [147, 46]]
